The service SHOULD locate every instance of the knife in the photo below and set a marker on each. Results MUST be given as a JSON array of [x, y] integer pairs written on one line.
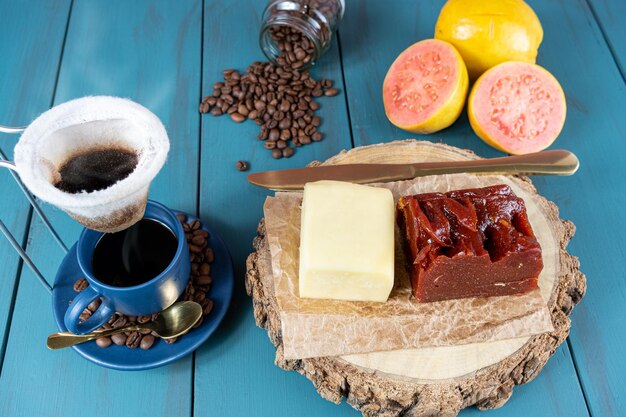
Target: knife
[[556, 162]]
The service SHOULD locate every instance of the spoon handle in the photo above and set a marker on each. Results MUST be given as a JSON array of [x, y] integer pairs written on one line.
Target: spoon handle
[[66, 339]]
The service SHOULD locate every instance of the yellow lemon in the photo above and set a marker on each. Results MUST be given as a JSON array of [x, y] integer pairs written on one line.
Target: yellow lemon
[[489, 32]]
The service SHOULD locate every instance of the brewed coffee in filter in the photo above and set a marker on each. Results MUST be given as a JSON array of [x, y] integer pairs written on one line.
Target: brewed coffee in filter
[[94, 158]]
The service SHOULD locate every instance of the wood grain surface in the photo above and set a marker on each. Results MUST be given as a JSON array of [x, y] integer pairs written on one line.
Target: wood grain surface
[[166, 55], [35, 52]]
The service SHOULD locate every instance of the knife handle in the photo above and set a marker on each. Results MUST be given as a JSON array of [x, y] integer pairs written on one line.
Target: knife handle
[[554, 162]]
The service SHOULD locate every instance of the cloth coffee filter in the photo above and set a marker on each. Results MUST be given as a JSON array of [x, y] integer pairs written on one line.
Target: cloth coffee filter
[[97, 122]]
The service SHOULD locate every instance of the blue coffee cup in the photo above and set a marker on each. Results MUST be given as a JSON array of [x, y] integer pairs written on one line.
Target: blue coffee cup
[[149, 297]]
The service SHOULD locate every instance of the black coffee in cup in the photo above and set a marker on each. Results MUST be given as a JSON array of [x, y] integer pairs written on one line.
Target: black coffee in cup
[[134, 255], [96, 169]]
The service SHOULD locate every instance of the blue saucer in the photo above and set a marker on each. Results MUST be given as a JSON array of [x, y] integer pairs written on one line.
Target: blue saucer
[[125, 359]]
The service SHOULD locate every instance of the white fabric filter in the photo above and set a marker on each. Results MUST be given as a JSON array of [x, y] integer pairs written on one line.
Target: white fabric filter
[[86, 123]]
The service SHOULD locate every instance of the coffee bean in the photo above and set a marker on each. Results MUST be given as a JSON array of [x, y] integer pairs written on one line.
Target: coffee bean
[[253, 114], [84, 315], [208, 255], [133, 340], [281, 144], [199, 240], [207, 306], [119, 339], [144, 319], [93, 306], [146, 342], [204, 280], [170, 340], [331, 92], [243, 110], [145, 331], [284, 124], [205, 268], [181, 217], [288, 152], [204, 107], [274, 135], [269, 144], [237, 117], [103, 342], [285, 134], [80, 284], [305, 140], [216, 111], [119, 322], [277, 153], [317, 136], [241, 166]]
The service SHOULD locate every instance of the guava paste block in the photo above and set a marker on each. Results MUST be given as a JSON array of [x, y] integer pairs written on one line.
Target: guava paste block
[[469, 243]]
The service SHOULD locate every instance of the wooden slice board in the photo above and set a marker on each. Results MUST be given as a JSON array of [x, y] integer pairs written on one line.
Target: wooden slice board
[[435, 381]]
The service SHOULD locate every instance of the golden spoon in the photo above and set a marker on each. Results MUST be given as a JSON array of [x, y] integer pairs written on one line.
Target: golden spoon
[[174, 321]]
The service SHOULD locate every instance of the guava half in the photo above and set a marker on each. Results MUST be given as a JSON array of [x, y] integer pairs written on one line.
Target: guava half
[[425, 88], [517, 107]]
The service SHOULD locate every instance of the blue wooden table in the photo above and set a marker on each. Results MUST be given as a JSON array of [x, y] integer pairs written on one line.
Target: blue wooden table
[[165, 55]]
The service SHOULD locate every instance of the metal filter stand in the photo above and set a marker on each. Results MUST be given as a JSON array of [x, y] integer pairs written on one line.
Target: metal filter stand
[[31, 199]]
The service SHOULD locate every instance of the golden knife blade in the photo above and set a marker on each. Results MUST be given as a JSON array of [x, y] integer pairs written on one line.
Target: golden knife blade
[[556, 162]]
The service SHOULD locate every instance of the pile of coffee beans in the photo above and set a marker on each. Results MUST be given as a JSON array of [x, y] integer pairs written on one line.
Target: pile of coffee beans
[[277, 97], [198, 288]]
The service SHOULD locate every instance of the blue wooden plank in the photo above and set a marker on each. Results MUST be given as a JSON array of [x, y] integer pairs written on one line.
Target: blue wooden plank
[[610, 18], [148, 51], [574, 50], [32, 37], [235, 374], [372, 35]]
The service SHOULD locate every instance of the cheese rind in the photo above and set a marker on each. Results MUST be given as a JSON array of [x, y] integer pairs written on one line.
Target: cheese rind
[[346, 242]]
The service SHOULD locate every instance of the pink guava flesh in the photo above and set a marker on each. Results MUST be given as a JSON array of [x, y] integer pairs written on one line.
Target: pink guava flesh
[[419, 82], [519, 106]]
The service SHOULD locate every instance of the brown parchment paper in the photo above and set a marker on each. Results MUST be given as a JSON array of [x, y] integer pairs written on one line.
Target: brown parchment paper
[[313, 327]]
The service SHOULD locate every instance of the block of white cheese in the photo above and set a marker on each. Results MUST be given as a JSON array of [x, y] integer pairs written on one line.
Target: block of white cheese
[[346, 242]]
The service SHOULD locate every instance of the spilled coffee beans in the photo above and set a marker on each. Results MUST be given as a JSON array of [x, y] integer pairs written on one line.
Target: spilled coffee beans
[[277, 97]]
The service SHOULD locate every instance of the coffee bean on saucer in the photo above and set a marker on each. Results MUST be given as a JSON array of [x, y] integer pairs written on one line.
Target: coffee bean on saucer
[[133, 340], [119, 322], [144, 319], [119, 339], [198, 240], [204, 269], [93, 306], [181, 217], [84, 315], [207, 306], [170, 341], [80, 284], [146, 342], [204, 280], [103, 342]]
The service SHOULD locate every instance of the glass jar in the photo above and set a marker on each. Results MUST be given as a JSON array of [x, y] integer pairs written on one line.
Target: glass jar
[[315, 20]]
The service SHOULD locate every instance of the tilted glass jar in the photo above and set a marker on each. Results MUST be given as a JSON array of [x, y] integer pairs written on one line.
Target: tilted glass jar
[[316, 20]]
